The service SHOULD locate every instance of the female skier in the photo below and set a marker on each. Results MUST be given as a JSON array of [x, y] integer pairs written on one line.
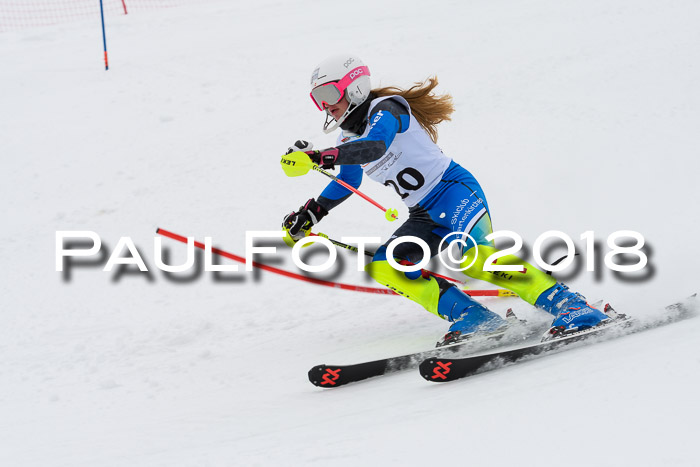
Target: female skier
[[390, 135]]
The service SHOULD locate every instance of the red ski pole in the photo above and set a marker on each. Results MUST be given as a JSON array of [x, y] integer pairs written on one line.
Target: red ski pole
[[298, 163], [370, 254]]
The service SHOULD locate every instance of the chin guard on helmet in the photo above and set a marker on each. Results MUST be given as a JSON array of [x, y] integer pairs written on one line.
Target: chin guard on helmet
[[332, 124]]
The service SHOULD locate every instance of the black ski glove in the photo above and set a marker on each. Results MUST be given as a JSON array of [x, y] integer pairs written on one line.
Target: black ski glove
[[324, 159], [298, 224]]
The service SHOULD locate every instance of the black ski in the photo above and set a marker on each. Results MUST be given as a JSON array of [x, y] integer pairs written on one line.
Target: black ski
[[331, 376], [439, 369]]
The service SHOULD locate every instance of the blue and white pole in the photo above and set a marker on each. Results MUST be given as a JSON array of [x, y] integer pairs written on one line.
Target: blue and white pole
[[104, 36]]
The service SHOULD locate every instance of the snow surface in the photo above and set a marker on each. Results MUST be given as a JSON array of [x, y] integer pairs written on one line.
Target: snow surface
[[575, 116]]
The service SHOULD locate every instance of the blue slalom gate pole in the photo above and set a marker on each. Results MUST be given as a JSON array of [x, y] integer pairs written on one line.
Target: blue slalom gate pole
[[104, 36]]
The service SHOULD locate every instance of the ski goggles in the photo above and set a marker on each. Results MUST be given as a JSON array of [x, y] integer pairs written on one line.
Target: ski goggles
[[331, 93]]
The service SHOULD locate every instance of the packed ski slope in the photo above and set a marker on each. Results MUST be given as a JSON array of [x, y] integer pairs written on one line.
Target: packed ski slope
[[575, 116]]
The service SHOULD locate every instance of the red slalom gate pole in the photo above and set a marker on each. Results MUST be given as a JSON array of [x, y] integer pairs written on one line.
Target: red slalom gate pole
[[337, 285]]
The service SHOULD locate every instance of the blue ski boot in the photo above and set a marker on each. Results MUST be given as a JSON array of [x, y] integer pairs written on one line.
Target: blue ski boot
[[571, 311], [468, 317]]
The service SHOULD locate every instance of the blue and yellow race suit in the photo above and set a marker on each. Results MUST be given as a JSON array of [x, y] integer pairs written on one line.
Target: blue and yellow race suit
[[384, 141]]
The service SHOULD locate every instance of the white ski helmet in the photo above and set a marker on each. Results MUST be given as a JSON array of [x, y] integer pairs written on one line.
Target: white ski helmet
[[338, 76]]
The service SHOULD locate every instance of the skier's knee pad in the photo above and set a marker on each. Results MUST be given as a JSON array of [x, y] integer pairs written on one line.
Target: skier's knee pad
[[528, 284], [424, 291]]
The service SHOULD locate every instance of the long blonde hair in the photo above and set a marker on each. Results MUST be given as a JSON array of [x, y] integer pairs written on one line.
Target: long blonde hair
[[428, 108]]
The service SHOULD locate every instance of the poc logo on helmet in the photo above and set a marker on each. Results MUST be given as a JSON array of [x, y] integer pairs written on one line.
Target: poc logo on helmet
[[355, 73], [348, 62]]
